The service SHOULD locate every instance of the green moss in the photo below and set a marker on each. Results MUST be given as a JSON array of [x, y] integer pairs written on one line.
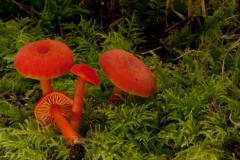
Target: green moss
[[196, 70]]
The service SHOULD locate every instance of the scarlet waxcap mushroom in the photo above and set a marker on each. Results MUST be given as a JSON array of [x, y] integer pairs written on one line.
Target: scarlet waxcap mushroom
[[127, 72], [53, 108], [44, 60], [42, 109], [85, 74]]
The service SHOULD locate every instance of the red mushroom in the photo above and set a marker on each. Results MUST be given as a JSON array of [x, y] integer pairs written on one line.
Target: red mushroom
[[44, 60], [85, 74], [127, 73], [53, 108]]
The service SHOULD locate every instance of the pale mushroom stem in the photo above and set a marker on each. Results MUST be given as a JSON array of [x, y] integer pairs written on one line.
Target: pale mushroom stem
[[64, 125], [46, 86], [77, 104], [114, 98]]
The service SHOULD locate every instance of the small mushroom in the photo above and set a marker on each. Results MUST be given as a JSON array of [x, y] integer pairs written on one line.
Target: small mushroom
[[85, 74], [127, 73], [53, 109], [44, 60]]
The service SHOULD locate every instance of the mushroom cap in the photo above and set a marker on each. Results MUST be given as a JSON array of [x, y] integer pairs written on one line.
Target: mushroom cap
[[44, 59], [127, 72], [42, 109], [86, 72]]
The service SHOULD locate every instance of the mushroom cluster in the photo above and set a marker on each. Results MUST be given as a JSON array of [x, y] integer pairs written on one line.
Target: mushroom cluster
[[47, 59]]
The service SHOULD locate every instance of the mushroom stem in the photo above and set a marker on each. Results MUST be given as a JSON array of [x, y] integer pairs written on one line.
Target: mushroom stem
[[114, 98], [63, 124], [77, 104], [46, 86]]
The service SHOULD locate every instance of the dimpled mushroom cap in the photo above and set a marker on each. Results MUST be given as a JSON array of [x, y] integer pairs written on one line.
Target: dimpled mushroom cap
[[127, 72], [42, 109], [44, 59]]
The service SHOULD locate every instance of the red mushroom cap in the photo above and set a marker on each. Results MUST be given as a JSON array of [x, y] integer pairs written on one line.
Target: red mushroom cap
[[42, 109], [86, 72], [44, 59], [127, 72]]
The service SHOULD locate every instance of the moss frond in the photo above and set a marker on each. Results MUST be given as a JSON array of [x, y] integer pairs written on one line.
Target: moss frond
[[32, 141]]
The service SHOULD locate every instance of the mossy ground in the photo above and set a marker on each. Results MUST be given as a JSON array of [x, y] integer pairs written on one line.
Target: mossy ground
[[195, 59]]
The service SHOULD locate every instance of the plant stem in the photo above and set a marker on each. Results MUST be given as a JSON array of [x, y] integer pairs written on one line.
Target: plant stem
[[189, 8], [46, 86], [77, 104], [63, 124], [114, 98]]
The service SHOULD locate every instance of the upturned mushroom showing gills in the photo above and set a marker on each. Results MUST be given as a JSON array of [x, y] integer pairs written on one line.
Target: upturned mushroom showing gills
[[85, 74], [44, 60], [52, 109], [127, 73]]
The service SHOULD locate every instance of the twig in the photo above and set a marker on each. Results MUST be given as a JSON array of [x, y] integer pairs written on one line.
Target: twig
[[200, 63], [235, 123], [168, 6], [151, 50], [214, 107], [204, 13], [89, 121], [232, 36], [27, 9], [189, 8], [5, 93], [235, 44], [53, 157], [234, 87], [179, 14], [183, 55], [187, 19], [63, 35]]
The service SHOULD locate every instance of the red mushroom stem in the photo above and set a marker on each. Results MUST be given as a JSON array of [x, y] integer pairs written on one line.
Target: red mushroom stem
[[77, 104], [63, 124], [114, 98], [46, 86]]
